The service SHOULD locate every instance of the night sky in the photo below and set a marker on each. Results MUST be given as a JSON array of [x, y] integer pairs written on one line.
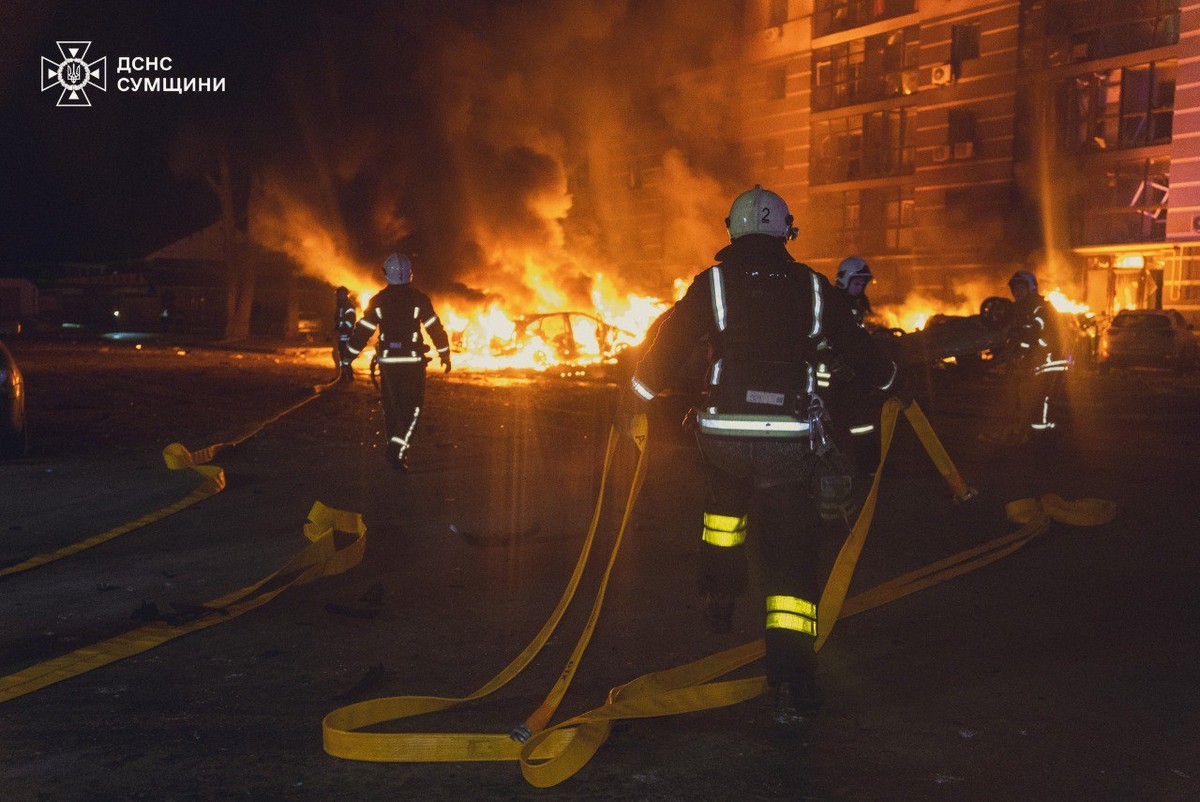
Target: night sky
[[480, 133]]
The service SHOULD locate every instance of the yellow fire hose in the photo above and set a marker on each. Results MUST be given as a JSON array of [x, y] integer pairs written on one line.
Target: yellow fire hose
[[212, 481], [550, 754], [336, 543], [177, 457], [342, 727]]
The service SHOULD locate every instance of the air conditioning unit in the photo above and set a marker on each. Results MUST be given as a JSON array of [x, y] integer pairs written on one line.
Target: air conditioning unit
[[941, 153], [964, 150], [942, 75]]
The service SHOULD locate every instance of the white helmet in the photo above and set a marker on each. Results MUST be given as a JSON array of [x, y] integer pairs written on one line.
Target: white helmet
[[759, 211], [852, 267], [1026, 278], [397, 268]]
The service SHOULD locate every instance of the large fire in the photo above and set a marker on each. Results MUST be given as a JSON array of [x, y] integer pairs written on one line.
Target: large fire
[[491, 337], [916, 310]]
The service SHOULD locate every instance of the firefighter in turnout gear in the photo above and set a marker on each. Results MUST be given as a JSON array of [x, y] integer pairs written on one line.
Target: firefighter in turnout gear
[[857, 405], [1038, 361], [343, 327], [853, 276], [397, 313], [763, 432]]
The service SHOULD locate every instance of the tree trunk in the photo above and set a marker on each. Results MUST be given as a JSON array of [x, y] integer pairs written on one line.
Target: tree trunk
[[240, 267]]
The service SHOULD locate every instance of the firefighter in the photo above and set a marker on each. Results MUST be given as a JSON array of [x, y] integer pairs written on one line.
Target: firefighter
[[853, 276], [762, 430], [343, 327], [1038, 361], [398, 312], [857, 403]]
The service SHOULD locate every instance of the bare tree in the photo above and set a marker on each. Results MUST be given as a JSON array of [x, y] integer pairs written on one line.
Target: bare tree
[[205, 155]]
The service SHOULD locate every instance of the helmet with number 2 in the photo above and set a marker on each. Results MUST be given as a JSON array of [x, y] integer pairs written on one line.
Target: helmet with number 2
[[759, 211]]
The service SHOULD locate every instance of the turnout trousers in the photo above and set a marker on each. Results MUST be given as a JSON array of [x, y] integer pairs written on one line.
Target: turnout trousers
[[342, 357], [768, 481], [402, 388]]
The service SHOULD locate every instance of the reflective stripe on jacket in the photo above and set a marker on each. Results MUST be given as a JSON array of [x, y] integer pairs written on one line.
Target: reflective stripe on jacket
[[762, 315], [398, 312]]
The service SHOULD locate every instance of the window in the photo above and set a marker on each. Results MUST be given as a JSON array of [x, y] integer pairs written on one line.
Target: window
[[1127, 203], [866, 70], [1058, 32], [961, 126], [861, 146], [964, 45], [1120, 108], [874, 220], [777, 14], [773, 154], [776, 83], [832, 16]]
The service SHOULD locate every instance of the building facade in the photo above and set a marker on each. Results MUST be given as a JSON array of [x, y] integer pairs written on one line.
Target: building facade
[[952, 141]]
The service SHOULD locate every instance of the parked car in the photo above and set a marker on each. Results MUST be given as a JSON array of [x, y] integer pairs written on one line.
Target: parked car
[[309, 327], [1149, 338], [14, 433]]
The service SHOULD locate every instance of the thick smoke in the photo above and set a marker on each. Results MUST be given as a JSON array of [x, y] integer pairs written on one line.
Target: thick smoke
[[498, 143]]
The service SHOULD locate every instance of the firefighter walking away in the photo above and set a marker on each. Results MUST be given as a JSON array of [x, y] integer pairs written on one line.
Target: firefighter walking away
[[397, 313], [763, 430], [343, 327]]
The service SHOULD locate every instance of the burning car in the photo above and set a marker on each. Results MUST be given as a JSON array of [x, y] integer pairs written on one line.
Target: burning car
[[964, 340], [973, 341], [540, 341]]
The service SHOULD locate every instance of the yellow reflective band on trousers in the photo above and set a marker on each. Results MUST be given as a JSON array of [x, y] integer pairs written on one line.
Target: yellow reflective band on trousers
[[336, 542], [724, 530], [791, 604], [797, 623], [792, 612]]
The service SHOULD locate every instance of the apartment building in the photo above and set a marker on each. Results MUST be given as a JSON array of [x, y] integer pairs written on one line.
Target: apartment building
[[952, 141]]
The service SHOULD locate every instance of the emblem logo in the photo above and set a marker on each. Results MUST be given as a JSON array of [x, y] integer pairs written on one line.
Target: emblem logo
[[74, 73]]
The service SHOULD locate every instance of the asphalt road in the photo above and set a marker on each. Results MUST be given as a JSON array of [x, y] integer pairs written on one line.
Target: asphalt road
[[1065, 671]]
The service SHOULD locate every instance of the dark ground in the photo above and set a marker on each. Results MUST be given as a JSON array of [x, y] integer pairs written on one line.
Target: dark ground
[[1067, 671]]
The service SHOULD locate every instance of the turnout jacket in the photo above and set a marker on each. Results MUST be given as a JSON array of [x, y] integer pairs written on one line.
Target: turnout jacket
[[343, 320], [398, 312], [1036, 336], [764, 317]]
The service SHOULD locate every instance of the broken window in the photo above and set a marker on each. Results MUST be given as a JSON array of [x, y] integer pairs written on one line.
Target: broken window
[[1127, 202], [1119, 108], [1058, 32]]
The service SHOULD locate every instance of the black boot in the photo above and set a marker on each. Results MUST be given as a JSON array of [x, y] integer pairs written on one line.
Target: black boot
[[792, 705]]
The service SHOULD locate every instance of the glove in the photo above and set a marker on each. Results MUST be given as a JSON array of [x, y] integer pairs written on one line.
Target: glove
[[629, 406], [445, 363]]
